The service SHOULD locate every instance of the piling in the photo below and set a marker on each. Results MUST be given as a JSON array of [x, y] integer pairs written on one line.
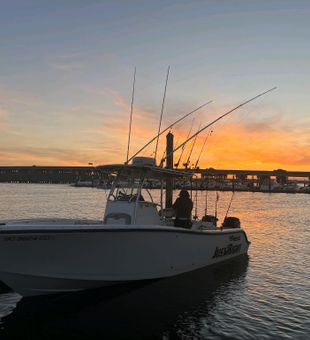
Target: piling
[[169, 165]]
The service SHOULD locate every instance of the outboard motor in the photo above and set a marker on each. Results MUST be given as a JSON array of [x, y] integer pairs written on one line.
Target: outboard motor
[[231, 222]]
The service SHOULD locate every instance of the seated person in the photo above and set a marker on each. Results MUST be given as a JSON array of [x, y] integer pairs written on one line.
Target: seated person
[[183, 208]]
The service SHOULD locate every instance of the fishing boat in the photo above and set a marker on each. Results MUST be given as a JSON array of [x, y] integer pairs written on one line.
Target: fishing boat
[[135, 240]]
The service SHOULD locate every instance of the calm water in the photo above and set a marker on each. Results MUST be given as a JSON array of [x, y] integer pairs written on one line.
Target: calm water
[[266, 296]]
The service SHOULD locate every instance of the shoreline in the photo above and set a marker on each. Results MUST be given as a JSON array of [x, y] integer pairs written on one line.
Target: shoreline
[[272, 191]]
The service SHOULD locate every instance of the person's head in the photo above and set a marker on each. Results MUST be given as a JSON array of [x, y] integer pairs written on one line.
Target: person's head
[[184, 194]]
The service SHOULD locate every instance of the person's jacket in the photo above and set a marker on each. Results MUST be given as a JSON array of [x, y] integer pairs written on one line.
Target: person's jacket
[[183, 207]]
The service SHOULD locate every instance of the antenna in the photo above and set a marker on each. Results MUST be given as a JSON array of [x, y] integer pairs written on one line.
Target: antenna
[[131, 110], [204, 143], [169, 127], [161, 113], [220, 117]]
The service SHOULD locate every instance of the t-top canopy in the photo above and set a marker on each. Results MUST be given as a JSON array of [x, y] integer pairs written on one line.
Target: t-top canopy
[[145, 171]]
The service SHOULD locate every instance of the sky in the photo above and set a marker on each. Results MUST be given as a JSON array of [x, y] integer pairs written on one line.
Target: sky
[[66, 77]]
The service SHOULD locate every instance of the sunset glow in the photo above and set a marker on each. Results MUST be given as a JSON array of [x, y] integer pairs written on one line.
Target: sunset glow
[[65, 89]]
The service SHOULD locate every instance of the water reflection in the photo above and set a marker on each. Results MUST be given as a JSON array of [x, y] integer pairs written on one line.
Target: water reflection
[[165, 309]]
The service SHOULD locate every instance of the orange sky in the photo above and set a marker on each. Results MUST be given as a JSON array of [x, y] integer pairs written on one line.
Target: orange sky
[[66, 80], [247, 140]]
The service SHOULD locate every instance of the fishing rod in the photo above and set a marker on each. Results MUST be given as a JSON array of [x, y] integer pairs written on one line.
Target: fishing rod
[[196, 201], [191, 150], [169, 127], [189, 133], [216, 203], [161, 113], [229, 205], [204, 143], [131, 111], [206, 203], [219, 118]]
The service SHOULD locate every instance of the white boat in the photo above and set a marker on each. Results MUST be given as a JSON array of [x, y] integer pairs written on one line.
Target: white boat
[[84, 184], [291, 186], [136, 240], [305, 189]]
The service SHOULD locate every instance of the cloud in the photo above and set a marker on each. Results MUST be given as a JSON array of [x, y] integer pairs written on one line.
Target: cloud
[[44, 156], [8, 129], [144, 125], [251, 139], [69, 66], [256, 138], [10, 96], [68, 61], [4, 115], [257, 147], [79, 60], [116, 124]]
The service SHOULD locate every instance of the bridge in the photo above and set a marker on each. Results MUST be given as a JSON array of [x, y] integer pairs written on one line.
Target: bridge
[[71, 174], [47, 174]]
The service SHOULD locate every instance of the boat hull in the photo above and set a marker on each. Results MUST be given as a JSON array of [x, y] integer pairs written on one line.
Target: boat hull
[[56, 260]]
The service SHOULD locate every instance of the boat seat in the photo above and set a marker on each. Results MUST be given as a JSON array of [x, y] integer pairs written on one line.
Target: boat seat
[[117, 218]]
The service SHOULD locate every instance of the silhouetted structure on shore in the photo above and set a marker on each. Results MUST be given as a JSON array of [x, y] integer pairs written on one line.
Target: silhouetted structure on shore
[[217, 179], [47, 174]]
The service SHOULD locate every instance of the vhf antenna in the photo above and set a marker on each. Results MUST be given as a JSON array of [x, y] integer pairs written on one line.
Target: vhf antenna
[[169, 127], [131, 111], [161, 113]]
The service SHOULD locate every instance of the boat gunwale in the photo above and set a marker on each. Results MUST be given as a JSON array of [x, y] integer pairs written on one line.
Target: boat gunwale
[[106, 228]]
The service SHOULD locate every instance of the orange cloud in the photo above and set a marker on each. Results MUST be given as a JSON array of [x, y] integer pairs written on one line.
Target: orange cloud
[[244, 146], [257, 138], [17, 97], [47, 156]]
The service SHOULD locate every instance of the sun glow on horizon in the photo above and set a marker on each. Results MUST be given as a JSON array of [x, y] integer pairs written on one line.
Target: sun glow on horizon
[[234, 144]]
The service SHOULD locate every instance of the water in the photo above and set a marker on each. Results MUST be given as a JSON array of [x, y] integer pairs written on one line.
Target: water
[[265, 296]]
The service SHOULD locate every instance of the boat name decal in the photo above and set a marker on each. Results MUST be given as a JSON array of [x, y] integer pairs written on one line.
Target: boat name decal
[[28, 238], [230, 249], [234, 238]]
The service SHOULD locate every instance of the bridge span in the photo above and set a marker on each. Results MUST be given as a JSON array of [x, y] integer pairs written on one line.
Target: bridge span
[[72, 174]]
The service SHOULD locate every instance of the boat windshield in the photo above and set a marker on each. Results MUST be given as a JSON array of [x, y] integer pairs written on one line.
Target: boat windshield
[[126, 190]]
